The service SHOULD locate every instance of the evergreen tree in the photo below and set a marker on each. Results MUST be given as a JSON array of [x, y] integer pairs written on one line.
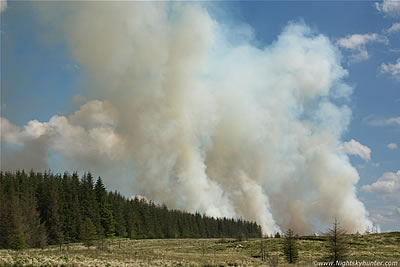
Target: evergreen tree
[[289, 247], [54, 220], [66, 209], [131, 218], [89, 205], [34, 230], [3, 212], [88, 231], [170, 223], [119, 210], [72, 212], [140, 227], [14, 227], [106, 214], [337, 247], [200, 225]]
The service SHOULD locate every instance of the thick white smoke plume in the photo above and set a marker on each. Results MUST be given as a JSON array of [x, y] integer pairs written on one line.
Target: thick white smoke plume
[[194, 115]]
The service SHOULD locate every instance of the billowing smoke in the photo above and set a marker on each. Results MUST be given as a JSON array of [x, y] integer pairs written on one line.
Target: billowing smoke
[[187, 111]]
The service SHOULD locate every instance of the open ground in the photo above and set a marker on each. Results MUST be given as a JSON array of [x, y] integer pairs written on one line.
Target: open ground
[[384, 247]]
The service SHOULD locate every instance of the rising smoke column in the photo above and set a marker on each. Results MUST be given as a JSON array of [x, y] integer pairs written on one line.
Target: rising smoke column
[[205, 120]]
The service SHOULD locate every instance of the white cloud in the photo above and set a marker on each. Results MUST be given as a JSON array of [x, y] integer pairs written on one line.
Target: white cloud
[[387, 184], [393, 121], [380, 217], [393, 69], [389, 7], [392, 146], [88, 133], [386, 215], [355, 148], [9, 132], [394, 28], [358, 42], [383, 122], [3, 5]]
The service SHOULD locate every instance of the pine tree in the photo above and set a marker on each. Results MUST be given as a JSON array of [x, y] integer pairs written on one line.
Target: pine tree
[[131, 218], [337, 247], [55, 221], [67, 209], [170, 223], [289, 247], [156, 219], [34, 230], [118, 208], [106, 214], [72, 213], [141, 227], [148, 219], [14, 226], [3, 212], [89, 205], [200, 225], [88, 231]]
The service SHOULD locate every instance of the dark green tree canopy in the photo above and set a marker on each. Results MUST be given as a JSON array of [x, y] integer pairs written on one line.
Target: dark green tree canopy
[[46, 208]]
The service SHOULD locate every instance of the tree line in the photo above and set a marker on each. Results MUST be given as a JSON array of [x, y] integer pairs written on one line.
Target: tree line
[[39, 209]]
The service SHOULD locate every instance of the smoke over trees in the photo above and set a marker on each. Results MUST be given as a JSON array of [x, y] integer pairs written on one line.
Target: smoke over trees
[[43, 208], [185, 110]]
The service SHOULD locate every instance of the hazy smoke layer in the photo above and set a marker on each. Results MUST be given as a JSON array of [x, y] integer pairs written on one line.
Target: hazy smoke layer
[[204, 120]]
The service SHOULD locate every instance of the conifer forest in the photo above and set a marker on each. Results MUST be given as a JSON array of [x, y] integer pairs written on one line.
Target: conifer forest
[[37, 209]]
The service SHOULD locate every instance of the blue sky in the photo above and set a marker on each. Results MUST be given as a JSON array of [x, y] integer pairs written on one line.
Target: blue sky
[[376, 94], [40, 78]]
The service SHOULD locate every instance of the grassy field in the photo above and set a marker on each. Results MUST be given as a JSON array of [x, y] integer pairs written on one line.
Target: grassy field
[[383, 247]]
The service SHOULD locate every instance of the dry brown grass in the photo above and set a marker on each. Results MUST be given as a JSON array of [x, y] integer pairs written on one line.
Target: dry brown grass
[[200, 252]]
